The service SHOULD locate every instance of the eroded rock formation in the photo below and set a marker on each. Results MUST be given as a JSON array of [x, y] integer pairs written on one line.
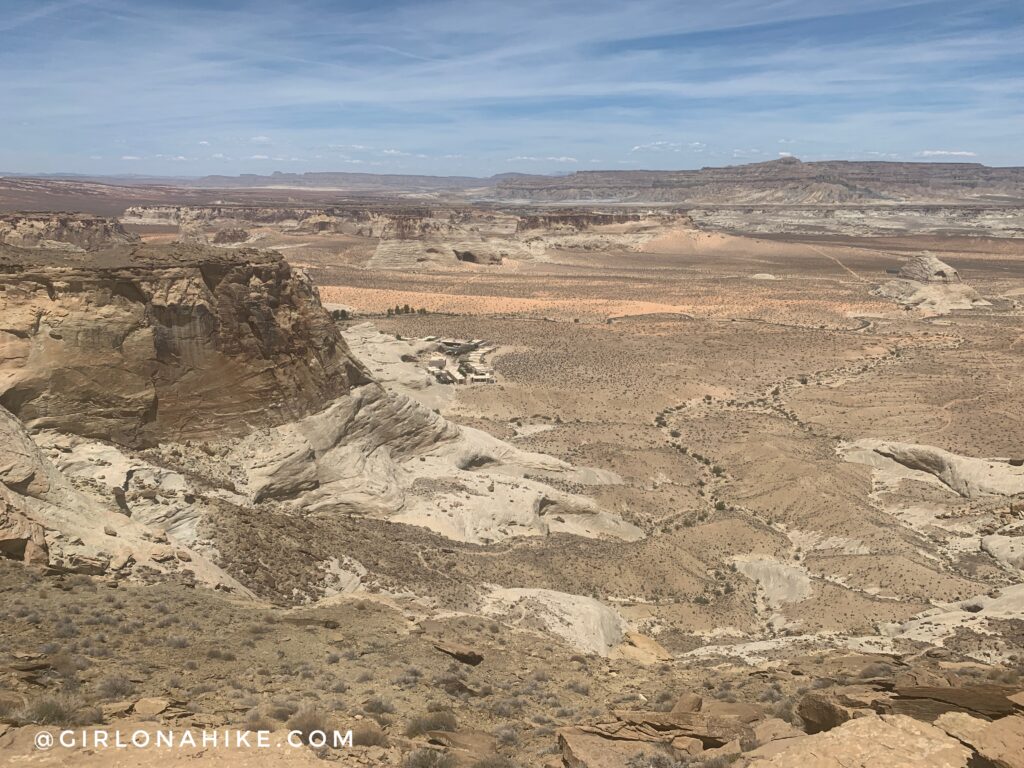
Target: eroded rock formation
[[64, 231], [175, 342]]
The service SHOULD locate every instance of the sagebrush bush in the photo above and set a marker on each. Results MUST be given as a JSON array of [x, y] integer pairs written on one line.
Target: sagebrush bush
[[368, 734], [306, 721], [428, 758], [116, 687], [433, 721], [60, 709]]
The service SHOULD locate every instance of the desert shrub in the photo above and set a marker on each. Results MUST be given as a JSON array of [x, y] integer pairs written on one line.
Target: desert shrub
[[876, 669], [719, 762], [494, 762], [409, 677], [116, 687], [60, 709], [653, 761], [784, 710], [428, 758], [377, 705], [507, 736], [579, 687], [507, 707], [280, 711], [368, 734], [256, 720], [433, 721], [306, 721]]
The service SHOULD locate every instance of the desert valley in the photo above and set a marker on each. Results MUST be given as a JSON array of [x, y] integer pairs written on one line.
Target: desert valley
[[645, 469]]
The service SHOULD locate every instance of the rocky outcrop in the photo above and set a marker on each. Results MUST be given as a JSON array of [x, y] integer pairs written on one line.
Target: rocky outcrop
[[583, 622], [894, 741], [1000, 743], [230, 236], [965, 475], [64, 231], [20, 538], [46, 520], [170, 342], [927, 284], [926, 268], [384, 221], [375, 453]]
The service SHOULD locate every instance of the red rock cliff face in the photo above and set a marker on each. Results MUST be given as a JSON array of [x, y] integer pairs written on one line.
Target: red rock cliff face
[[145, 343]]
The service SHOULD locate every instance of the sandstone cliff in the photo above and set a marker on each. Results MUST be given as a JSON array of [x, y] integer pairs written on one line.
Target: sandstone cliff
[[64, 231], [141, 343]]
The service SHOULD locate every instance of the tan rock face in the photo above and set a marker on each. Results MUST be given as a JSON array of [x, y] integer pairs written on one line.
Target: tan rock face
[[893, 741], [69, 231], [929, 269], [178, 342], [20, 538]]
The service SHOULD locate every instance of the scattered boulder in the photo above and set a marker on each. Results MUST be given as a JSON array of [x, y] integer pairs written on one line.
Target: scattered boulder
[[822, 712]]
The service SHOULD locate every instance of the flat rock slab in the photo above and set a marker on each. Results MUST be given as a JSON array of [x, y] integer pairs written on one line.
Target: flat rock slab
[[927, 702], [588, 750], [889, 741], [150, 707]]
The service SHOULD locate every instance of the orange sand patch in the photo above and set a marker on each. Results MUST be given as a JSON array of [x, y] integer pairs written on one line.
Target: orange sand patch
[[795, 311]]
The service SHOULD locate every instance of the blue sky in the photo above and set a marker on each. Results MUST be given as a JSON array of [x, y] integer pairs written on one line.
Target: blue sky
[[189, 87]]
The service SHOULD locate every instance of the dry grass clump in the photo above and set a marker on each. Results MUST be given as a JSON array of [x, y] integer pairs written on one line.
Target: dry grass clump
[[257, 720], [306, 721], [58, 709], [368, 734], [115, 687], [494, 762], [428, 758], [377, 705], [432, 721]]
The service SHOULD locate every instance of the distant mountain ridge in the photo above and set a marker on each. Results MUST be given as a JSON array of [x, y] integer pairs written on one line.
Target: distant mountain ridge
[[786, 181]]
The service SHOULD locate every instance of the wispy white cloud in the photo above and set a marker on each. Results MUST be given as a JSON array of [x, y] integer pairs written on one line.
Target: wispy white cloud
[[130, 157], [535, 159], [945, 153]]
